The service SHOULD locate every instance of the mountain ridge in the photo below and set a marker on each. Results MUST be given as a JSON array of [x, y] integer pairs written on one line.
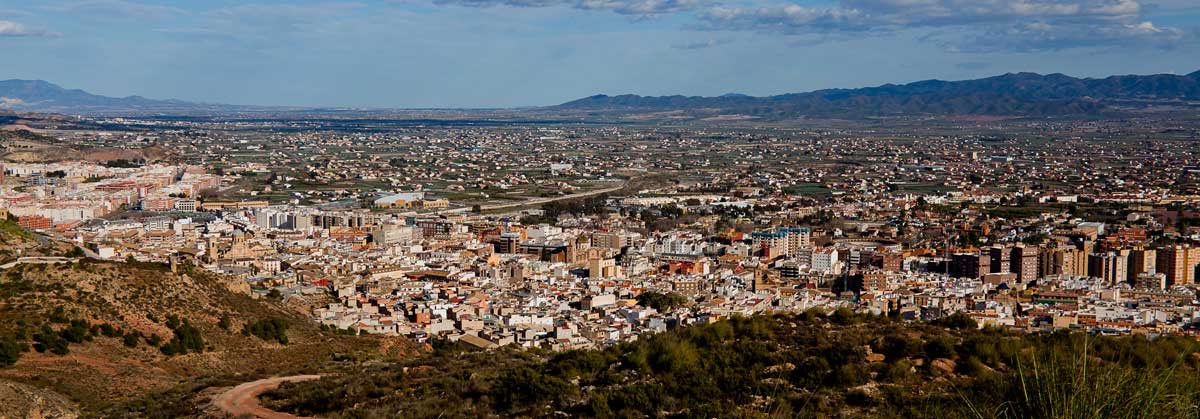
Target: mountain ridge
[[1022, 94], [23, 95], [1010, 94]]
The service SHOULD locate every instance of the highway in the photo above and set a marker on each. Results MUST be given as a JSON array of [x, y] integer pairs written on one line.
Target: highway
[[537, 201]]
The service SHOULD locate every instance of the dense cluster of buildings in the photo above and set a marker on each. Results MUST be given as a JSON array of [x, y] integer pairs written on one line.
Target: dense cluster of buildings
[[1021, 233], [63, 195], [492, 280]]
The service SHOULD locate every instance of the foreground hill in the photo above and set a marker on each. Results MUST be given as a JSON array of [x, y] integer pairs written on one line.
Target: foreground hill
[[112, 337], [806, 365], [1022, 94]]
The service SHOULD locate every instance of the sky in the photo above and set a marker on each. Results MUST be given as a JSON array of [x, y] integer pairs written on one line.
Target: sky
[[508, 53]]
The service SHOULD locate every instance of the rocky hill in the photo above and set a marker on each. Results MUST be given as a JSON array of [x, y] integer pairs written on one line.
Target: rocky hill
[[112, 337]]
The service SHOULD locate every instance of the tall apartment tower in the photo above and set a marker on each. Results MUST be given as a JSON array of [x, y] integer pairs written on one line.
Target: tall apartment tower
[[970, 265], [1050, 261], [1001, 259], [1179, 264], [1111, 266], [1142, 261], [1024, 262], [782, 241]]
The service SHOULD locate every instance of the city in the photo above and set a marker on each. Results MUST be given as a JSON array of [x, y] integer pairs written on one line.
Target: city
[[619, 209], [1023, 231]]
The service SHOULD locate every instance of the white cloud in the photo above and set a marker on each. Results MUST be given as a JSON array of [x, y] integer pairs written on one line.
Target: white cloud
[[14, 29], [1020, 25]]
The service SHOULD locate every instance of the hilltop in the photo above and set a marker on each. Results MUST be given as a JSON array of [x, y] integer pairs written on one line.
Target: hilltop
[[1013, 94]]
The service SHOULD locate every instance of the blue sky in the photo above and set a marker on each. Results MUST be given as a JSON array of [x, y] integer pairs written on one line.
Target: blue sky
[[501, 53]]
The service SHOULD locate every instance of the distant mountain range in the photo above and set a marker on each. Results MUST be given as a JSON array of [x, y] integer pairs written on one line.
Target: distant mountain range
[[1020, 94], [43, 96]]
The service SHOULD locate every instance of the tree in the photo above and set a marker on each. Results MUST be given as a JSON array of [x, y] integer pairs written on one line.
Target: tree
[[268, 329], [660, 301], [10, 351], [187, 339]]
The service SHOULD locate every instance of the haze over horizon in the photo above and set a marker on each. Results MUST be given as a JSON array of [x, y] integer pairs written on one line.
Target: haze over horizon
[[508, 53]]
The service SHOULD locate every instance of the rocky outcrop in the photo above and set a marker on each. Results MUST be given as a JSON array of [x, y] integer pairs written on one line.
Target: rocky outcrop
[[21, 401]]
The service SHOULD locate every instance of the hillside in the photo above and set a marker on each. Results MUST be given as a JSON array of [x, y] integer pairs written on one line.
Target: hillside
[[113, 337], [24, 146], [795, 365], [1021, 94]]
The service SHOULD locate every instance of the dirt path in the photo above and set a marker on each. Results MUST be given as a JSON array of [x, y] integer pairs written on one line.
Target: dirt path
[[242, 400]]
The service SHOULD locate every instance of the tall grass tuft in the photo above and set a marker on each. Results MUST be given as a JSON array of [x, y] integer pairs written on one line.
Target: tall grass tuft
[[1072, 382]]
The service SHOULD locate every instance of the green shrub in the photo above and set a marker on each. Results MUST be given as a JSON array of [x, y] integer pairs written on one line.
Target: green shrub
[[10, 351], [268, 329], [939, 347], [960, 321], [844, 316], [187, 339], [131, 339], [660, 301], [49, 340], [76, 332]]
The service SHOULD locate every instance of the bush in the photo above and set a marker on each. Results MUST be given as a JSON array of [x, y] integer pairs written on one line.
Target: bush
[[173, 322], [850, 375], [131, 339], [10, 351], [268, 329], [960, 321], [77, 332], [109, 331], [939, 347], [526, 386], [896, 347], [844, 316], [187, 339], [59, 315], [49, 340]]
